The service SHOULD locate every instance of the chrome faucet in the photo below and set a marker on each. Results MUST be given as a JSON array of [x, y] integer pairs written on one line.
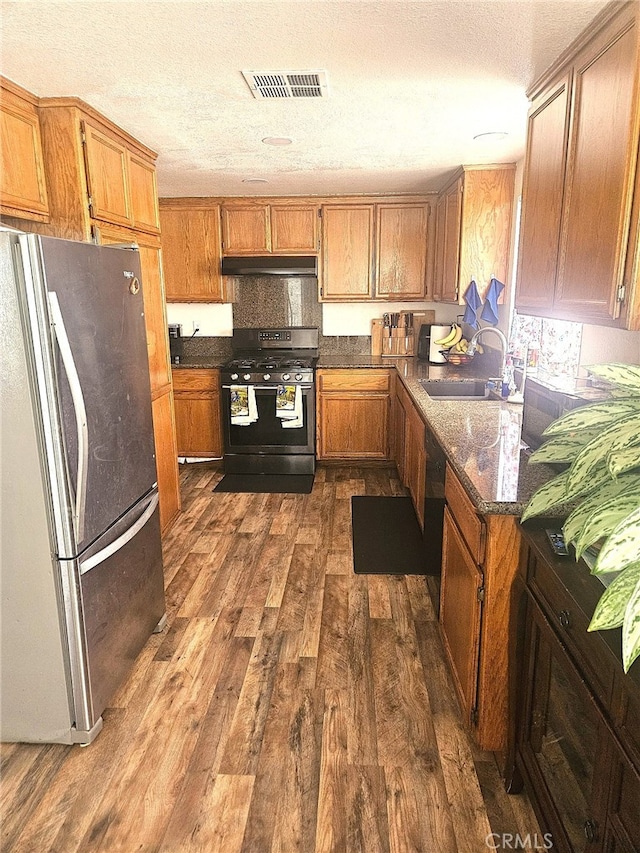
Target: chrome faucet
[[471, 349]]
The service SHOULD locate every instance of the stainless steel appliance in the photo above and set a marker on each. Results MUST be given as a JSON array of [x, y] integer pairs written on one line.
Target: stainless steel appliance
[[286, 265], [176, 342], [264, 360], [81, 572]]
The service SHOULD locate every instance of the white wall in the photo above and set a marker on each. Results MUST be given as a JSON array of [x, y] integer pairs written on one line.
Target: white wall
[[355, 318], [213, 320], [602, 344]]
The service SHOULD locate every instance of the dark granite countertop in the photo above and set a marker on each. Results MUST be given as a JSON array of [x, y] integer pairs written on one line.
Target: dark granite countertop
[[481, 440]]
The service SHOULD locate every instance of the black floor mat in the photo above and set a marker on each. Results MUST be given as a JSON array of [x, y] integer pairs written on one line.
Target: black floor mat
[[263, 483], [387, 539]]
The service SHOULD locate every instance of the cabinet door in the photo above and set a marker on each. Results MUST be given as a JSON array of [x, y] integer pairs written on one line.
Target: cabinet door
[[245, 230], [402, 244], [107, 163], [197, 408], [166, 458], [353, 425], [415, 461], [603, 147], [622, 830], [23, 189], [347, 252], [192, 254], [542, 199], [561, 741], [399, 421], [460, 615], [294, 230], [144, 195], [451, 220]]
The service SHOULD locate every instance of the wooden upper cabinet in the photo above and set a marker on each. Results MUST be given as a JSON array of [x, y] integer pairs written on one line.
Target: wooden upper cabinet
[[245, 230], [543, 186], [347, 252], [473, 237], [23, 191], [107, 164], [144, 194], [294, 229], [402, 248], [447, 260], [192, 253], [579, 232], [262, 228]]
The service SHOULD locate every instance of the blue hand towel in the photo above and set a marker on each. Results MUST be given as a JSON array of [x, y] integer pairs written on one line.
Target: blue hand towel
[[472, 298], [490, 309]]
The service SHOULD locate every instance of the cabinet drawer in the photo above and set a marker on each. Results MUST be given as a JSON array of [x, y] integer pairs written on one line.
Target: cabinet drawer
[[196, 379], [470, 524], [355, 380], [589, 650]]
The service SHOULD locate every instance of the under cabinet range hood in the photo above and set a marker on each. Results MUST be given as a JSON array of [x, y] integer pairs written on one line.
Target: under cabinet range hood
[[293, 265]]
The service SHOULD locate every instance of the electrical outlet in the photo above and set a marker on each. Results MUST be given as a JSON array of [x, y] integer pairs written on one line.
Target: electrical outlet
[[194, 327]]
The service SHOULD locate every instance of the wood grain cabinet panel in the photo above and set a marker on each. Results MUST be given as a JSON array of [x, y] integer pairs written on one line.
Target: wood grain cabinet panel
[[107, 164], [353, 422], [166, 459], [192, 253], [197, 411], [23, 190], [579, 257], [347, 252], [473, 230], [269, 228], [415, 460], [402, 251], [144, 195], [479, 563]]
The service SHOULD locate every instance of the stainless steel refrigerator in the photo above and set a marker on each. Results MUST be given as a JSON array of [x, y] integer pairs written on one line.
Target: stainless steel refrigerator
[[81, 580]]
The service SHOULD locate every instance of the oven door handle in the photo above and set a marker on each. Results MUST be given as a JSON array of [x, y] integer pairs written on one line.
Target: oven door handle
[[271, 387]]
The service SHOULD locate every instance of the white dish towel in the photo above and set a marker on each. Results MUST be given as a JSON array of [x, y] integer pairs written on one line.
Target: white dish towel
[[289, 406], [244, 409]]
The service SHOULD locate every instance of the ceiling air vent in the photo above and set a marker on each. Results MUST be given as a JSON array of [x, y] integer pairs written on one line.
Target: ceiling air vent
[[287, 84]]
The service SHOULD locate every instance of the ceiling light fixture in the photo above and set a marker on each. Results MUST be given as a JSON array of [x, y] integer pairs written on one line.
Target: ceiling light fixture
[[492, 135], [277, 140]]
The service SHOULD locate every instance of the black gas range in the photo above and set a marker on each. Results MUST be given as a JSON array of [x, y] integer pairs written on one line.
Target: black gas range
[[270, 369]]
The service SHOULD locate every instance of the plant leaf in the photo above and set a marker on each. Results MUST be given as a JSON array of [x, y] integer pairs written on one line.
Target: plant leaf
[[623, 375], [598, 415], [611, 489], [616, 437], [631, 630], [622, 546], [603, 520], [564, 448], [620, 461], [557, 491], [610, 610]]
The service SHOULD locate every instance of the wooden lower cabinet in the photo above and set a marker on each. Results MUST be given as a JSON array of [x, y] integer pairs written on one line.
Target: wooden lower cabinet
[[166, 458], [354, 413], [409, 453], [479, 562], [575, 740], [197, 407]]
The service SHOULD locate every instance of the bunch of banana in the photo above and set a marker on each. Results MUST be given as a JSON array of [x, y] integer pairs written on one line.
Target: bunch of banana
[[450, 340], [463, 346]]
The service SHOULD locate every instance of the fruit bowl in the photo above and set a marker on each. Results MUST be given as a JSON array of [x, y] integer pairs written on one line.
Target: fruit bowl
[[457, 358]]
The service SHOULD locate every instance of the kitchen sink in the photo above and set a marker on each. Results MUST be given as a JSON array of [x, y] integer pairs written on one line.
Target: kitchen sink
[[463, 389]]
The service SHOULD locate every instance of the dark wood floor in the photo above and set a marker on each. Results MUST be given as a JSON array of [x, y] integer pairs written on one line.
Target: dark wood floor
[[290, 706]]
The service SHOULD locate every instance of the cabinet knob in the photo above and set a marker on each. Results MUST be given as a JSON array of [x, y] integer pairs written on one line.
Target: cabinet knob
[[565, 618], [590, 830]]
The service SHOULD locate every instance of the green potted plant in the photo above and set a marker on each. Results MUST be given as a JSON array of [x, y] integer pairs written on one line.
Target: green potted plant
[[600, 445]]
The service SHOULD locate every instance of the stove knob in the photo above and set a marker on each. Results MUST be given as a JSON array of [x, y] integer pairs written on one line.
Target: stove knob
[[267, 377], [247, 376], [298, 377], [234, 376], [286, 377]]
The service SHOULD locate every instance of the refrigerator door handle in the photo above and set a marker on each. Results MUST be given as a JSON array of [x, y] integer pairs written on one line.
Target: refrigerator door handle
[[121, 541], [79, 410]]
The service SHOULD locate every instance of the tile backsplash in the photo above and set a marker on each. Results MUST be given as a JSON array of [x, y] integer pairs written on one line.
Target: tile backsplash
[[555, 343]]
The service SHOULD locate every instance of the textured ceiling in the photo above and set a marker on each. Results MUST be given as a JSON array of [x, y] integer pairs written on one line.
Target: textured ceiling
[[411, 83]]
